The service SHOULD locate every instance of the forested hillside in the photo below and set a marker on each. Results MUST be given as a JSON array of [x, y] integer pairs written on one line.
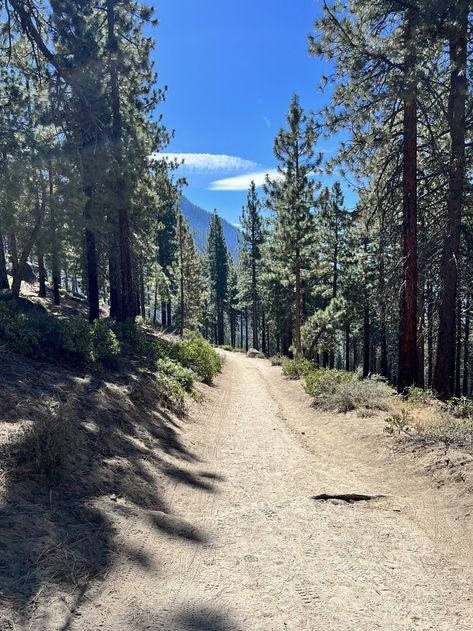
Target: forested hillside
[[199, 220]]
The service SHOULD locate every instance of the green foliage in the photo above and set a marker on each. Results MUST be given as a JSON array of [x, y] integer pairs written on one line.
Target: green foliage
[[184, 376], [340, 391], [451, 431], [75, 341], [277, 360], [171, 393], [199, 356], [105, 344], [419, 396], [142, 342], [460, 407], [398, 424], [296, 368], [322, 380], [44, 336]]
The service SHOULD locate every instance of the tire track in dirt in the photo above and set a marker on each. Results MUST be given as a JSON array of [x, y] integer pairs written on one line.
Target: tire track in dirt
[[272, 557]]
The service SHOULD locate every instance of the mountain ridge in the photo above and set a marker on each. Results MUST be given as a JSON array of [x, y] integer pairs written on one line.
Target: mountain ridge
[[199, 220]]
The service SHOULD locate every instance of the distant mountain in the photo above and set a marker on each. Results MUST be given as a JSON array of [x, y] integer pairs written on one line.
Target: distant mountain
[[199, 220]]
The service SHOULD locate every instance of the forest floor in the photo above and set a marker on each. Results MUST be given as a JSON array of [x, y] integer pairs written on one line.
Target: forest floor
[[226, 532]]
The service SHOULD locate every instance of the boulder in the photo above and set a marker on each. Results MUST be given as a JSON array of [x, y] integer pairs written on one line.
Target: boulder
[[253, 353]]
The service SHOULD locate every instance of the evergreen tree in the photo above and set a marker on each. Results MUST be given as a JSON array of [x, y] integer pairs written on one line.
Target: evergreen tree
[[217, 273], [252, 238], [291, 198]]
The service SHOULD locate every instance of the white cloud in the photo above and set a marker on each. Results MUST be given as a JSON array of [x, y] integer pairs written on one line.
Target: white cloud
[[208, 162], [242, 182]]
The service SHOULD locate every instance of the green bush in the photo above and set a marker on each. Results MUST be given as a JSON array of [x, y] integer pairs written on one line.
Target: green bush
[[398, 424], [340, 391], [419, 396], [184, 376], [322, 380], [75, 341], [142, 342], [199, 356], [296, 368], [460, 407], [276, 360], [106, 347], [21, 336], [171, 393]]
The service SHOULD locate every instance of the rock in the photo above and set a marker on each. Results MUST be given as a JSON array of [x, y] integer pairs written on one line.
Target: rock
[[253, 353]]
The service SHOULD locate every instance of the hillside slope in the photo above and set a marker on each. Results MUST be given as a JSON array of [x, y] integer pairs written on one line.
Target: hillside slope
[[199, 219]]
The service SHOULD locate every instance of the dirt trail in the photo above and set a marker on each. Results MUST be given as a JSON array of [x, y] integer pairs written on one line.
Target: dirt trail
[[247, 547]]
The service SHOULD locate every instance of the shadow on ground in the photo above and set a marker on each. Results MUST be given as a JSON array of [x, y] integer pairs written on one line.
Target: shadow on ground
[[117, 447]]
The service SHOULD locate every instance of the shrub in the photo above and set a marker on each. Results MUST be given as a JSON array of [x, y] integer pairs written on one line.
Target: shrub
[[399, 423], [184, 376], [451, 431], [460, 407], [199, 356], [22, 336], [277, 360], [340, 391], [106, 347], [419, 396], [49, 447], [140, 341], [171, 393], [322, 381], [75, 341], [296, 368]]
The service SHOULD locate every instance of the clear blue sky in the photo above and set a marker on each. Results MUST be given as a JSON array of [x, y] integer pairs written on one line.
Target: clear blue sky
[[231, 69]]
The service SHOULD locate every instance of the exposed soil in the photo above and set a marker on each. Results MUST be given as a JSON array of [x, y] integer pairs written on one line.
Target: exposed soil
[[259, 513]]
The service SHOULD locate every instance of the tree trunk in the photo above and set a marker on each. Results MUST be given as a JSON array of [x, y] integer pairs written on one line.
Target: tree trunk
[[246, 329], [298, 310], [254, 304], [114, 277], [263, 333], [180, 228], [347, 347], [155, 306], [55, 264], [408, 372], [142, 296], [421, 335], [241, 331], [128, 308], [466, 348], [430, 334], [444, 363], [458, 349], [366, 340], [4, 284], [169, 313], [92, 272], [164, 314], [13, 250], [41, 276]]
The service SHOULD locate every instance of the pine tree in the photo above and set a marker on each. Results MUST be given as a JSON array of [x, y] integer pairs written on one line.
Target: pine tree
[[252, 238], [291, 198], [217, 273]]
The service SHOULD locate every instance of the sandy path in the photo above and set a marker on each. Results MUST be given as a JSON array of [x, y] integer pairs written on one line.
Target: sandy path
[[248, 549]]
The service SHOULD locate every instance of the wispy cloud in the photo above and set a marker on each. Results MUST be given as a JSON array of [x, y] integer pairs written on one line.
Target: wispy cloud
[[242, 182], [209, 162]]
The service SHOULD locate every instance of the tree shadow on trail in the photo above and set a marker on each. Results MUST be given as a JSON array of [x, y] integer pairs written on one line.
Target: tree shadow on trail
[[57, 530]]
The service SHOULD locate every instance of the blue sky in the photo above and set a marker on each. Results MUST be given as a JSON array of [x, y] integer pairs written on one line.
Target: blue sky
[[231, 69]]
